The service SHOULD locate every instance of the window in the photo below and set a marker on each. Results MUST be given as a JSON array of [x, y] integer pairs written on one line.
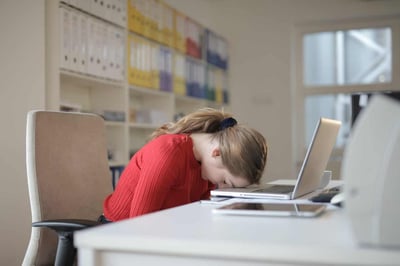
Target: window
[[333, 63], [336, 106], [356, 56]]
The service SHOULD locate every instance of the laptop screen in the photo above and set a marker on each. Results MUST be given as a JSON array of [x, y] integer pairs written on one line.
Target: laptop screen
[[317, 156]]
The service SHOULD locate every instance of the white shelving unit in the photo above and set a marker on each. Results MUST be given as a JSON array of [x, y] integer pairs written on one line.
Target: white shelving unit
[[143, 109]]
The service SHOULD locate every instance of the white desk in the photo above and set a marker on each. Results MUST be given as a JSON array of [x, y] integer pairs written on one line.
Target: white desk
[[192, 235]]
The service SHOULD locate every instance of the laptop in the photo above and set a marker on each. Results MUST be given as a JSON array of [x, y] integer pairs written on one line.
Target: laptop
[[309, 177]]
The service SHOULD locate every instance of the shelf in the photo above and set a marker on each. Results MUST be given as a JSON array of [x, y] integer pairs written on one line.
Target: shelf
[[116, 163], [134, 90], [142, 109], [146, 126], [88, 81], [114, 124]]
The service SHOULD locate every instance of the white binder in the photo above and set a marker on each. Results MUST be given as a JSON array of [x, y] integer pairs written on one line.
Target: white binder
[[92, 50], [65, 38], [82, 33]]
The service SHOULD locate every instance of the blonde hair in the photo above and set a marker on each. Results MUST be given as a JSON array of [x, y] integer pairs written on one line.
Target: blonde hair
[[243, 150]]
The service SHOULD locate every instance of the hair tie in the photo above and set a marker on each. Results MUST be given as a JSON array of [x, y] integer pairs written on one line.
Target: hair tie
[[227, 122]]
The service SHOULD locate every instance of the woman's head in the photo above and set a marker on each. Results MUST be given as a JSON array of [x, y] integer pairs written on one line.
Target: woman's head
[[243, 150]]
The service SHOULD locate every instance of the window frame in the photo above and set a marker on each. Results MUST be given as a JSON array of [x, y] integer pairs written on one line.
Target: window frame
[[300, 91]]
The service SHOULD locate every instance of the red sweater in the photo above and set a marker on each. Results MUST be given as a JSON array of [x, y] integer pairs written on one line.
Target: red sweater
[[161, 175]]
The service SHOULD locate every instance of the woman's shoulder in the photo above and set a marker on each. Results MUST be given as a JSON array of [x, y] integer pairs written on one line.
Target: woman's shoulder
[[174, 149], [171, 140]]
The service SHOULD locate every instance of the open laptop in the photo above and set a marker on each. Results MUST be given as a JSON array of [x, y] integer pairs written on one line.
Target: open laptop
[[309, 177]]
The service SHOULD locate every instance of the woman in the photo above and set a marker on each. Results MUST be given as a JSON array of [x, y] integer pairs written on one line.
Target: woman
[[183, 161]]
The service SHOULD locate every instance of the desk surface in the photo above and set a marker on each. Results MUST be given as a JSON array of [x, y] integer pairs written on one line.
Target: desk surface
[[193, 234]]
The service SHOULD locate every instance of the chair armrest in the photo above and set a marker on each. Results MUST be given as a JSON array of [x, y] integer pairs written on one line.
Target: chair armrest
[[66, 225]]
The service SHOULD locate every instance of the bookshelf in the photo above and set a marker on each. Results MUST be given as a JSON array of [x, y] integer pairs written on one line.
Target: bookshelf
[[138, 63]]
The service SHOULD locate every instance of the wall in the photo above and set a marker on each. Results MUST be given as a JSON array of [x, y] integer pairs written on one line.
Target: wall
[[22, 80], [259, 32]]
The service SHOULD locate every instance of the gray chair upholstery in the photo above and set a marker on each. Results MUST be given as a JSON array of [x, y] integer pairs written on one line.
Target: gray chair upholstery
[[68, 179]]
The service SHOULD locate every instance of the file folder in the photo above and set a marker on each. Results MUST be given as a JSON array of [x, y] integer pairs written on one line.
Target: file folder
[[82, 33], [179, 86], [179, 31], [155, 72], [65, 38]]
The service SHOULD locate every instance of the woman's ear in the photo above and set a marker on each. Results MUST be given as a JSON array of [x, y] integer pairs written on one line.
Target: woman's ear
[[216, 152]]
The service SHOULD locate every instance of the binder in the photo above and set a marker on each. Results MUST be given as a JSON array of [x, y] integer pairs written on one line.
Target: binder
[[169, 69], [167, 25], [179, 31], [192, 84], [147, 18], [201, 80], [210, 56], [158, 18], [140, 17], [120, 54], [153, 21], [147, 64], [116, 53], [218, 86], [222, 53], [131, 14], [103, 49], [74, 22], [216, 50], [210, 84], [188, 34], [73, 43], [82, 33], [179, 87], [136, 16], [155, 72], [140, 56], [225, 88], [196, 82], [136, 65], [96, 47], [65, 38], [91, 46], [121, 13], [165, 69], [131, 53], [116, 172], [193, 33]]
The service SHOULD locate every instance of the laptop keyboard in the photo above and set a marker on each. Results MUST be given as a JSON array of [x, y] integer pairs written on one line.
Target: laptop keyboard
[[276, 189]]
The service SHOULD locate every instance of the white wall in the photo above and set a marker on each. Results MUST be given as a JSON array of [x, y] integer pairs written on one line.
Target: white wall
[[22, 82], [259, 33]]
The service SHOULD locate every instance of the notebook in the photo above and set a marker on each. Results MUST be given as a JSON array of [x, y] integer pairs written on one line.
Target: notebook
[[309, 177]]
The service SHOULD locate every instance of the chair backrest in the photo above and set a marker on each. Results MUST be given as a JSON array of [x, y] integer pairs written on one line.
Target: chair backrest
[[68, 174]]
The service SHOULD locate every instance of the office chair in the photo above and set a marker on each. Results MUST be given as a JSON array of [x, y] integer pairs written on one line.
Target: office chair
[[68, 179]]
